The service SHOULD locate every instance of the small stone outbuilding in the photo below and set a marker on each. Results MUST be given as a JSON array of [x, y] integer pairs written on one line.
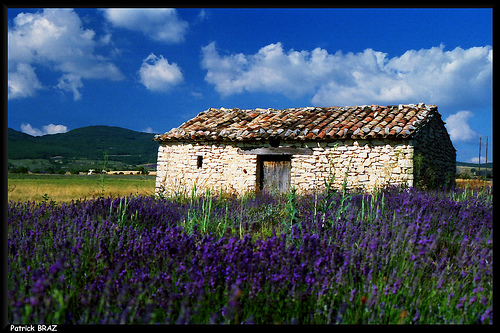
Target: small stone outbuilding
[[368, 146]]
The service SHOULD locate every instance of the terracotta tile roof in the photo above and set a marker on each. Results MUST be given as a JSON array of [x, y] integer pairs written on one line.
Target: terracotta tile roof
[[309, 123]]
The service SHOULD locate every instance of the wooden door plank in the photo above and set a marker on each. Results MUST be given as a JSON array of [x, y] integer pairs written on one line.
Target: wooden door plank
[[276, 176]]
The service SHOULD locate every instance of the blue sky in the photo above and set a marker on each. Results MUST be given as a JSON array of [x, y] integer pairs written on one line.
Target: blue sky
[[150, 70]]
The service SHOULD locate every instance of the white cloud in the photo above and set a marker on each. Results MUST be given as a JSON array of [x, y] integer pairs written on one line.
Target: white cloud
[[458, 127], [149, 129], [196, 94], [105, 40], [47, 129], [483, 159], [23, 82], [55, 39], [54, 129], [28, 129], [202, 15], [157, 74], [160, 24], [268, 70], [71, 83], [434, 76]]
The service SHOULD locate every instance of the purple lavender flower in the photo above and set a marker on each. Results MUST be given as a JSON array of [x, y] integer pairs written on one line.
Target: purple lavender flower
[[416, 318], [440, 284], [396, 285], [417, 237], [461, 302], [353, 293], [485, 317]]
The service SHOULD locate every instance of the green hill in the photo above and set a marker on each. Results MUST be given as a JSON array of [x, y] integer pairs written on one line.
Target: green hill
[[474, 165], [472, 169], [86, 145]]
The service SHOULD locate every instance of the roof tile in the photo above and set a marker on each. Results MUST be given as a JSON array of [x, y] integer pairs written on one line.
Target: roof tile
[[309, 123]]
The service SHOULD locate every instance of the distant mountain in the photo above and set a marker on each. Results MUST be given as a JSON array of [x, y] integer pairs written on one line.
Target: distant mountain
[[91, 142], [474, 165]]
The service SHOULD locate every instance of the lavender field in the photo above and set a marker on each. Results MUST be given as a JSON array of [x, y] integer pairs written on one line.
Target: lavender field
[[397, 256]]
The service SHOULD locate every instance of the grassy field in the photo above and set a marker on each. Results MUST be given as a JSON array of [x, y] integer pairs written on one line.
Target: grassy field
[[64, 188]]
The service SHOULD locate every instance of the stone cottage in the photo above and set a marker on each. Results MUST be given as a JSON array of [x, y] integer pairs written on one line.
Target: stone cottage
[[368, 146]]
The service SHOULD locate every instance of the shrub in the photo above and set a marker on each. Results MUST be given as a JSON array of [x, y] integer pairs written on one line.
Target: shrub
[[141, 170], [20, 169]]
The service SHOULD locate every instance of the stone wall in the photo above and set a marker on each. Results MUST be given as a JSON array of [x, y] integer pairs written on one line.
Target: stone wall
[[365, 164], [435, 156], [222, 167]]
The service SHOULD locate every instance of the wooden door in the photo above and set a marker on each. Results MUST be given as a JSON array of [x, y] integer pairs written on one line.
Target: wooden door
[[276, 174]]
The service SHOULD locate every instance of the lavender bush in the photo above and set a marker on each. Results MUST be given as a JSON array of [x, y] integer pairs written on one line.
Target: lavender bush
[[397, 256]]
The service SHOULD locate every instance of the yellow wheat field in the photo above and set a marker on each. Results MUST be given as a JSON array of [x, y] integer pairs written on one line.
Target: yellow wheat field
[[64, 188]]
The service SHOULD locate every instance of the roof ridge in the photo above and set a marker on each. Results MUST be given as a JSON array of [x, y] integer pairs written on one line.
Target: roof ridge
[[311, 123], [322, 108]]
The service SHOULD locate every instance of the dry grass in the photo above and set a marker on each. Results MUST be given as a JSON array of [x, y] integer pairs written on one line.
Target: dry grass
[[473, 183], [72, 187]]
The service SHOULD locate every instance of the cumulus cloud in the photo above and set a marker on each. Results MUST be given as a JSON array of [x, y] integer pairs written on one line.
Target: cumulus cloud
[[459, 128], [71, 83], [270, 70], [56, 40], [47, 129], [28, 129], [54, 129], [434, 76], [22, 81], [157, 74], [160, 24]]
